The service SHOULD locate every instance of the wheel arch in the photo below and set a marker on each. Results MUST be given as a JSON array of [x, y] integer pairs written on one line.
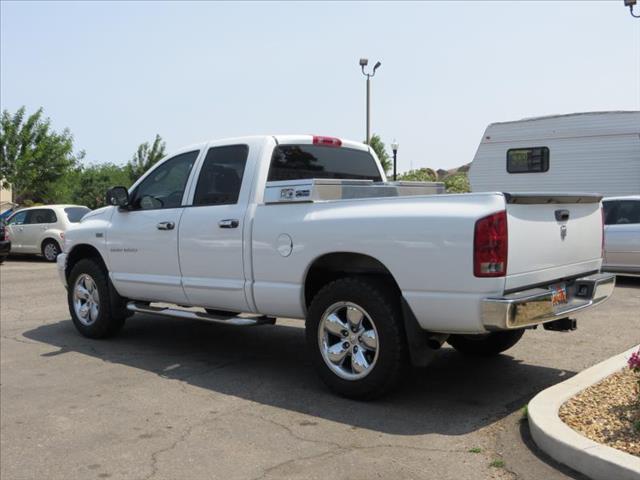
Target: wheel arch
[[332, 266], [49, 238], [82, 251]]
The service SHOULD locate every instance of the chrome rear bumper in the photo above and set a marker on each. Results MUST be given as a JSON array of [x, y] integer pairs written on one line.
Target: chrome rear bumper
[[534, 307]]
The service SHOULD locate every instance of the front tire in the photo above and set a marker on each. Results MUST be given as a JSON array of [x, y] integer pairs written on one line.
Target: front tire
[[356, 336], [50, 250], [96, 308], [487, 344]]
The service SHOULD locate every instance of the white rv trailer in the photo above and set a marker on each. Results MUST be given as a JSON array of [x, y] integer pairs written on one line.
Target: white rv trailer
[[595, 152]]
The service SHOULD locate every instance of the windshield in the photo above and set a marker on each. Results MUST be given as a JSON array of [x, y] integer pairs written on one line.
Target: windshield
[[75, 214], [297, 162]]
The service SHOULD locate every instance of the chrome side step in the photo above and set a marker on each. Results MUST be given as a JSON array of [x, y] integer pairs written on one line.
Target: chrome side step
[[179, 313]]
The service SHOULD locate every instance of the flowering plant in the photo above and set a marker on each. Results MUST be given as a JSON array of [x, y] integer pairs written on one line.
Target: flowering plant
[[634, 365], [634, 361]]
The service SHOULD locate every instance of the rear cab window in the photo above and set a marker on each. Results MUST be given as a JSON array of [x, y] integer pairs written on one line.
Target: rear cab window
[[305, 161], [75, 214]]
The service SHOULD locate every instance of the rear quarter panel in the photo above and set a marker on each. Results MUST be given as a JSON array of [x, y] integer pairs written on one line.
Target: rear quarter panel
[[425, 242]]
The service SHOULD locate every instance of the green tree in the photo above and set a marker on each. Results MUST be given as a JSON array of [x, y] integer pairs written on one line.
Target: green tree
[[33, 157], [419, 175], [381, 151], [145, 157], [92, 183], [457, 183]]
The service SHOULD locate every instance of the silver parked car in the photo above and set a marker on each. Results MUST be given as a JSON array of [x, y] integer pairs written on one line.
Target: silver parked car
[[41, 229], [622, 235]]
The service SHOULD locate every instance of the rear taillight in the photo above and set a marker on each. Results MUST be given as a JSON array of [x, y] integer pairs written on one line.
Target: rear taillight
[[490, 245], [327, 141]]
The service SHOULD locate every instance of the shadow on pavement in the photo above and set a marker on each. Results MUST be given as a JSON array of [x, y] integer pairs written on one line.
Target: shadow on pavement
[[527, 439], [29, 258], [269, 365]]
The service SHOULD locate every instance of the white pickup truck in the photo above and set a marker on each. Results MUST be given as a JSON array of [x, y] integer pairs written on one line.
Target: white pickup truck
[[244, 230]]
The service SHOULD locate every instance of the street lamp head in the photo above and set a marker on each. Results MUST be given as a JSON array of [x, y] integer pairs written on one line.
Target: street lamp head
[[375, 67], [631, 4], [394, 145], [364, 62]]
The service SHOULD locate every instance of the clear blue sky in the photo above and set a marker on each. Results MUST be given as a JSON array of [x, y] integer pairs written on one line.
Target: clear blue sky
[[117, 73]]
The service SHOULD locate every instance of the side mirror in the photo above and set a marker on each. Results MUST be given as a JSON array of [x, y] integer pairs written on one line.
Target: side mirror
[[118, 196]]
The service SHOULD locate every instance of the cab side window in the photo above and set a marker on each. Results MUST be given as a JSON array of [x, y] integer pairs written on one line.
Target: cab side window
[[221, 175], [164, 187]]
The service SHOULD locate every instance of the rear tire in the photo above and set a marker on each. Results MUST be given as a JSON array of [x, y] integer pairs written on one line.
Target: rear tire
[[50, 250], [356, 337], [96, 308], [487, 344]]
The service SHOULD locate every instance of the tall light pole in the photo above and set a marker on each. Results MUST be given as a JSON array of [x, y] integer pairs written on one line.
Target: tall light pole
[[363, 63], [394, 148]]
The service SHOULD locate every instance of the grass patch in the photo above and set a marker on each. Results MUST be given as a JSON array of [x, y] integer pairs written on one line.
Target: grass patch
[[636, 426], [497, 464], [525, 413], [475, 450]]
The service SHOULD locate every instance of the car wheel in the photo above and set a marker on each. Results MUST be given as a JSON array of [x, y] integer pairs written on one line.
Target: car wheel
[[96, 308], [356, 337], [50, 250], [486, 344]]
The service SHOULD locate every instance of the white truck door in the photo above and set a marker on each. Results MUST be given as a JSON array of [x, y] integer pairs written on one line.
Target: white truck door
[[142, 242], [213, 226]]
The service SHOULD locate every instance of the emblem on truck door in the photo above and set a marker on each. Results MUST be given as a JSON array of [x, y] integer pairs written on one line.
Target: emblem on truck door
[[563, 231]]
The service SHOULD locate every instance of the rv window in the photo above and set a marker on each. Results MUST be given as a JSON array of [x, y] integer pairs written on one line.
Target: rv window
[[528, 160]]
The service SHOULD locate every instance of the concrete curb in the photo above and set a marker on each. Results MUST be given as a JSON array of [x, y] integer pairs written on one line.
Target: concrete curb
[[567, 446]]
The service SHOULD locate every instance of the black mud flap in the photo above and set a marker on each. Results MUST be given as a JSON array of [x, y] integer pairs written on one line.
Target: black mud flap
[[417, 338]]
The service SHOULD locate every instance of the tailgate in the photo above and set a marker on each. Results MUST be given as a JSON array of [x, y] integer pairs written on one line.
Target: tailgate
[[552, 236]]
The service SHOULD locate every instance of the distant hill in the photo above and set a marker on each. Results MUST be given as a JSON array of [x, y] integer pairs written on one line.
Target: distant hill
[[442, 174]]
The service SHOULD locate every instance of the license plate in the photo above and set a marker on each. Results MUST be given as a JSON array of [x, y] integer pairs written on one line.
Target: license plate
[[558, 294]]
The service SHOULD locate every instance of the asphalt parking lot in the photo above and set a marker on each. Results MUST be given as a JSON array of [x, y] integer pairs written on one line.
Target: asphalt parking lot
[[178, 399]]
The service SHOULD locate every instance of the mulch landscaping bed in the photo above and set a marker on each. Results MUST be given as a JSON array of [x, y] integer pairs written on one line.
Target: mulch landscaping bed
[[608, 412]]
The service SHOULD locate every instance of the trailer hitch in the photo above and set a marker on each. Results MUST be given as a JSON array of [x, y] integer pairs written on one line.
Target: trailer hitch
[[562, 325]]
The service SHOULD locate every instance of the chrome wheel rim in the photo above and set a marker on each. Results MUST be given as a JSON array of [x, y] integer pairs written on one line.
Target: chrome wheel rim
[[86, 301], [348, 340], [50, 251]]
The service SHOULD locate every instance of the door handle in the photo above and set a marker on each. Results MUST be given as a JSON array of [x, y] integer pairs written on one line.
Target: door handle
[[166, 226], [229, 223]]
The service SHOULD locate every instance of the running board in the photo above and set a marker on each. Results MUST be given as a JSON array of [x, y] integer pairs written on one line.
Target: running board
[[179, 313]]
